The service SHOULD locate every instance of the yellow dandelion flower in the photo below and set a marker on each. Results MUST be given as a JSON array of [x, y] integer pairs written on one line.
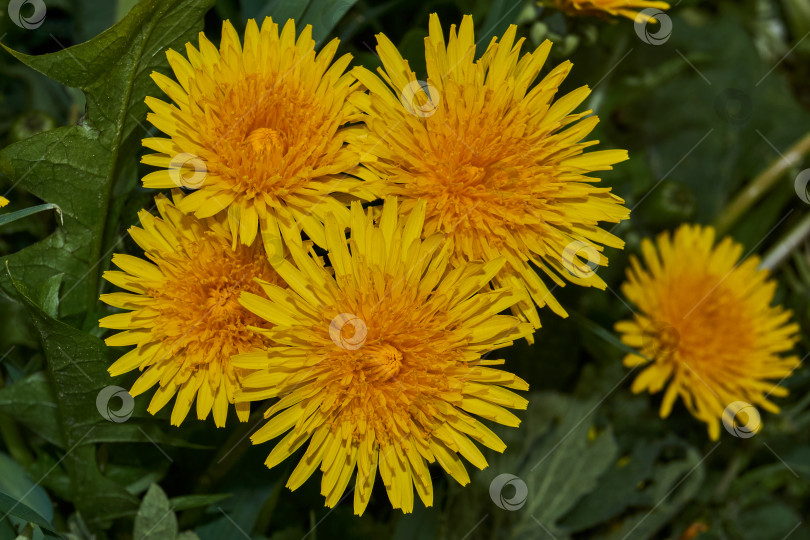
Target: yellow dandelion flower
[[705, 322], [602, 8], [500, 163], [379, 364], [3, 202], [258, 130], [183, 314]]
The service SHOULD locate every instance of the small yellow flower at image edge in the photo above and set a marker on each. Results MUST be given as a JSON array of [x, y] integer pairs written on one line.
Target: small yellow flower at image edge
[[705, 326]]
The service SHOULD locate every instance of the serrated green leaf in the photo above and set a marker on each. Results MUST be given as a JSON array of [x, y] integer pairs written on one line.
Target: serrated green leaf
[[155, 519], [77, 370], [77, 167], [563, 464], [636, 483]]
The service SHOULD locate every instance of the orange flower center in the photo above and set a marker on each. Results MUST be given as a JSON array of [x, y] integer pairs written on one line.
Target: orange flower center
[[381, 362], [198, 307]]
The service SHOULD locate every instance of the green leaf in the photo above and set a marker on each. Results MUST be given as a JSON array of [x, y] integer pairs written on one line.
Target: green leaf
[[186, 502], [31, 402], [564, 462], [155, 519], [16, 482], [279, 10], [77, 167], [638, 482], [77, 370], [324, 15], [19, 214], [12, 507]]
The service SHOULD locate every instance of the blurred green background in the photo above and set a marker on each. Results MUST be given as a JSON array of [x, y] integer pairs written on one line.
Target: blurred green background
[[722, 105]]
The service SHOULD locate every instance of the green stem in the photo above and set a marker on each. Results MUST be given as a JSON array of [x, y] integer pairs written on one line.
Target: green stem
[[760, 185], [731, 472], [784, 247]]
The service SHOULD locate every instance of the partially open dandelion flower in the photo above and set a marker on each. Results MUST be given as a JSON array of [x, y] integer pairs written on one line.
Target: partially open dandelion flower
[[3, 202], [704, 319], [500, 165], [602, 8], [379, 366], [258, 129], [184, 317]]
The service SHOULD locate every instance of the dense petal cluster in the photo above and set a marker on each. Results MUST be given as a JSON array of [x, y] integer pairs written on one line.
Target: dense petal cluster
[[257, 129], [183, 316], [378, 361], [499, 161], [705, 326]]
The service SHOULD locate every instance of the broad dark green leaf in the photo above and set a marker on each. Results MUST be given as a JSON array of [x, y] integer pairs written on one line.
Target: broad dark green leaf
[[30, 401], [563, 464], [639, 481], [155, 519], [324, 15], [77, 167]]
